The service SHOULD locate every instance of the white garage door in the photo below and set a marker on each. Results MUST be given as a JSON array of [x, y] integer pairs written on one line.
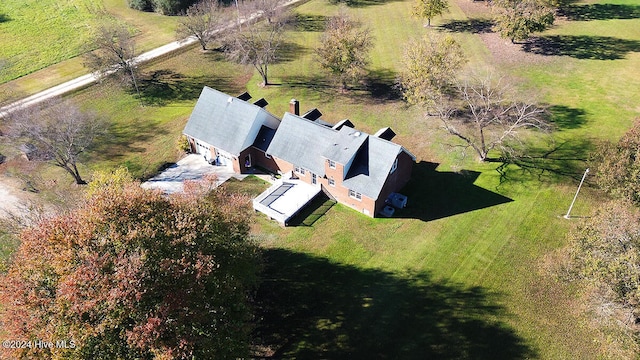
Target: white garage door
[[203, 149]]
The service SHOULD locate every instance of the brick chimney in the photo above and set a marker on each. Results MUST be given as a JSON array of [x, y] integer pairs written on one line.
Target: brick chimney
[[294, 107]]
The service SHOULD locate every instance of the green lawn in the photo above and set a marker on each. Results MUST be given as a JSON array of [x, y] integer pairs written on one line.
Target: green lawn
[[461, 272], [42, 40]]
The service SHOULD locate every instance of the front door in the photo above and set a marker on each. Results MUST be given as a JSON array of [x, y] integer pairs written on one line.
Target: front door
[[314, 179]]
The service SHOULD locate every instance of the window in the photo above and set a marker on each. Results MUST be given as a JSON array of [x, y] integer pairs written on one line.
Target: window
[[299, 170], [267, 156], [332, 182], [394, 166], [332, 164], [356, 195]]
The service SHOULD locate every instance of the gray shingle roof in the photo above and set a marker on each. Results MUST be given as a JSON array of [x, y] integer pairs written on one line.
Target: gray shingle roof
[[307, 144], [301, 142], [380, 155], [224, 121]]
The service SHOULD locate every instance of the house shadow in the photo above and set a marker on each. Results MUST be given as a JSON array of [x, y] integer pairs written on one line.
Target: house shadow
[[311, 308], [313, 211], [582, 46], [599, 12], [434, 195]]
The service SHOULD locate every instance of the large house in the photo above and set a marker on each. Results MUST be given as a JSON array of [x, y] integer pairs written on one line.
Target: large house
[[359, 170]]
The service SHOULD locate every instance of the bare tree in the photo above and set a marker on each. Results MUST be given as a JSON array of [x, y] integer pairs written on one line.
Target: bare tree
[[114, 54], [200, 21], [58, 131], [256, 42], [485, 119], [344, 49]]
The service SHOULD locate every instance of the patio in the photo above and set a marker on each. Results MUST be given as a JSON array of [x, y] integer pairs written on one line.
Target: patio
[[284, 199]]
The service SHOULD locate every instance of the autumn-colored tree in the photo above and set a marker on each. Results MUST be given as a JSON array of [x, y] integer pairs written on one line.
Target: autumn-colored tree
[[428, 9], [518, 19], [134, 274], [605, 251], [430, 67], [617, 166], [344, 49]]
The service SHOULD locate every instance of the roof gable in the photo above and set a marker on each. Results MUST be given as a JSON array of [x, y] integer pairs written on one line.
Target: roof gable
[[226, 122]]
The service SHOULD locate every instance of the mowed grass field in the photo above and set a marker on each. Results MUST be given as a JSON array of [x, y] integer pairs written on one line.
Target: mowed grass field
[[42, 41], [460, 273]]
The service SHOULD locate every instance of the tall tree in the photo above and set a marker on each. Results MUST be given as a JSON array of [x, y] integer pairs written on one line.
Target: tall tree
[[200, 21], [114, 54], [518, 19], [59, 131], [617, 166], [430, 67], [484, 118], [428, 9], [604, 250], [256, 42], [135, 274], [344, 49]]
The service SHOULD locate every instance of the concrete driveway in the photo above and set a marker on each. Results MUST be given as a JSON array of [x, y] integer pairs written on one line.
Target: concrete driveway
[[192, 167]]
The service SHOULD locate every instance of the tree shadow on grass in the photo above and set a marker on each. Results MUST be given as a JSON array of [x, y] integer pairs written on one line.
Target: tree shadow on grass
[[310, 23], [163, 86], [582, 47], [559, 162], [316, 82], [289, 51], [565, 117], [382, 85], [473, 26], [599, 12], [122, 139], [311, 308], [4, 18], [434, 195], [361, 3]]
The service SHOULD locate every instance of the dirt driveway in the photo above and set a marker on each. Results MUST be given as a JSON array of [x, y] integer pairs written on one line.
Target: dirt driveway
[[10, 197]]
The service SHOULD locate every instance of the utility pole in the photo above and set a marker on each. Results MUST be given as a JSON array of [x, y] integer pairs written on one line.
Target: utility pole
[[576, 196]]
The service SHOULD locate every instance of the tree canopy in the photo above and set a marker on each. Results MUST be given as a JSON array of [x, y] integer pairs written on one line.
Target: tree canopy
[[135, 274], [518, 19], [617, 166], [430, 67], [429, 9], [344, 49]]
